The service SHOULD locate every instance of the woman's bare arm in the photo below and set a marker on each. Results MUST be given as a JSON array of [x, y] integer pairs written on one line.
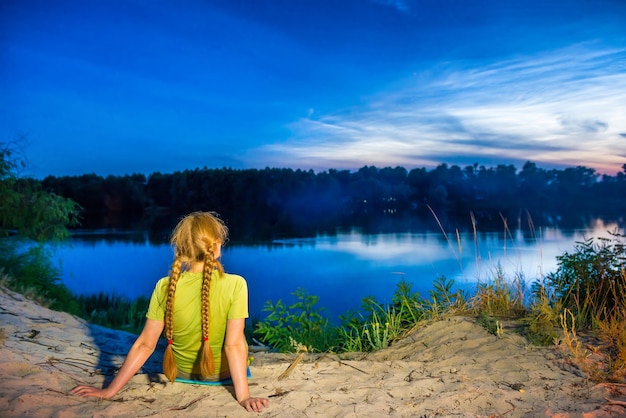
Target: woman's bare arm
[[236, 350], [141, 350]]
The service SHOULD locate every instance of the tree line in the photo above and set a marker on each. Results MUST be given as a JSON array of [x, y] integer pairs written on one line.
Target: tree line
[[282, 202]]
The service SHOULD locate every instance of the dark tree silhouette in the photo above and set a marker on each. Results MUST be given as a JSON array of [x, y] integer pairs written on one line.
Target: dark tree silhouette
[[282, 202]]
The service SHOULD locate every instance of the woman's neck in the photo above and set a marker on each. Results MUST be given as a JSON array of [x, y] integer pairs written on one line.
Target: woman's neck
[[196, 267]]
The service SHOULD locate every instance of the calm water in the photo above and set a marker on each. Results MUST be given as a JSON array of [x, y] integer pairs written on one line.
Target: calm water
[[341, 269]]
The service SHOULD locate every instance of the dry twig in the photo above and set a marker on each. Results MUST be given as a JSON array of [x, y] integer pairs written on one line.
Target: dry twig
[[291, 367], [187, 405]]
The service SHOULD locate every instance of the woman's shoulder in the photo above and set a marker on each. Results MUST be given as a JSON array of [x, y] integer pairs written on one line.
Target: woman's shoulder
[[162, 283], [231, 276], [163, 279]]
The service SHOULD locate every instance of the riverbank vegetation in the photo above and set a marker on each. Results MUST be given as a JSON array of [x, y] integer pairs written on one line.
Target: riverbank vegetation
[[31, 216], [580, 306]]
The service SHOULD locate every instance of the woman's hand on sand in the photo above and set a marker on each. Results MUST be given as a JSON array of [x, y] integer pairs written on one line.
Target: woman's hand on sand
[[254, 404], [90, 391]]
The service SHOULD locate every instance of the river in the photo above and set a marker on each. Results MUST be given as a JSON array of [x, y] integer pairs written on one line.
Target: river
[[341, 269]]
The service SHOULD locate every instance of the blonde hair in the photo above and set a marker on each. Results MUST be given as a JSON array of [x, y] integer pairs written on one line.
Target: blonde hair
[[194, 239]]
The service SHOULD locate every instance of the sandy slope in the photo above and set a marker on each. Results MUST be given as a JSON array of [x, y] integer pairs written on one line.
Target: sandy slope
[[447, 368]]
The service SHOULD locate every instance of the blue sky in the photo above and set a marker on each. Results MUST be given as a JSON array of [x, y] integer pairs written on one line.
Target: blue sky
[[140, 86]]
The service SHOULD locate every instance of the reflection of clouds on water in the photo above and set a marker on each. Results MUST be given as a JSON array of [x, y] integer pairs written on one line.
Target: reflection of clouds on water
[[479, 257], [392, 247], [536, 259]]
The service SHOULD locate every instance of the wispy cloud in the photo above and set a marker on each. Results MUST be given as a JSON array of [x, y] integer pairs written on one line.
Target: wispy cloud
[[401, 5], [564, 108]]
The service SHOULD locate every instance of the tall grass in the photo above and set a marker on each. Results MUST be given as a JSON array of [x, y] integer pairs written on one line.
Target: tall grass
[[499, 296]]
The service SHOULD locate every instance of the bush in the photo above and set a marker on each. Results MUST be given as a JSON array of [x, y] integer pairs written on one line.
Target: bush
[[589, 281], [296, 327], [29, 217]]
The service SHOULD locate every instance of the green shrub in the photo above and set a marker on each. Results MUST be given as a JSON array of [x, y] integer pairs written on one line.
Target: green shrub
[[588, 281], [29, 217], [289, 328]]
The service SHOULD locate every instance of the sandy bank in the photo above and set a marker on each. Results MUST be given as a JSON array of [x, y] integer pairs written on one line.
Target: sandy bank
[[451, 368]]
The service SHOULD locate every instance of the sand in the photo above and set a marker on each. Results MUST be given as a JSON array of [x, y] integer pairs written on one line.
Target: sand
[[448, 368]]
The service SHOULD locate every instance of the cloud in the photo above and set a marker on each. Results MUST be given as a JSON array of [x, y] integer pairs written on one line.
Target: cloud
[[561, 108], [585, 125], [401, 5]]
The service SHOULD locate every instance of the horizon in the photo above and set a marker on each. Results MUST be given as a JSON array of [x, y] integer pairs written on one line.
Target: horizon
[[517, 170], [121, 87]]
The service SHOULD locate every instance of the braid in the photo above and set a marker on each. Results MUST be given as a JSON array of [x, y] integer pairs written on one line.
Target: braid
[[195, 239], [207, 365], [169, 365]]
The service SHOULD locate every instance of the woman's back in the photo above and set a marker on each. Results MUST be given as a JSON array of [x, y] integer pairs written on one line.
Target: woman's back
[[228, 298]]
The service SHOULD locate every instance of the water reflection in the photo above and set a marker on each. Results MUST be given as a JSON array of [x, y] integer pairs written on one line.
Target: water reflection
[[341, 269]]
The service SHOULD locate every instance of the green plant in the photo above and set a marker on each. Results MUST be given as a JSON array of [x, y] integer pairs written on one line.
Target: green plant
[[499, 297], [378, 330], [30, 217], [488, 322], [30, 271], [542, 321], [378, 325], [286, 328], [25, 208], [407, 305], [351, 338], [589, 281], [542, 318], [444, 300], [387, 324]]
